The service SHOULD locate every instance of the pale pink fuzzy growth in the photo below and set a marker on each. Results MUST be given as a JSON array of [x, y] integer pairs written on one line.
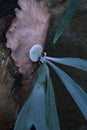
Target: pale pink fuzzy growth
[[27, 29]]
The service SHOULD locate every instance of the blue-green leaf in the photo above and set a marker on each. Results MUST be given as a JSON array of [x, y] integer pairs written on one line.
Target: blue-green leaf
[[32, 115], [78, 94], [51, 111], [74, 62], [35, 112], [70, 12]]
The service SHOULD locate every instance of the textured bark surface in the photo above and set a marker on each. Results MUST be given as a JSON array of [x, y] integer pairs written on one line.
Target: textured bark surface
[[8, 107]]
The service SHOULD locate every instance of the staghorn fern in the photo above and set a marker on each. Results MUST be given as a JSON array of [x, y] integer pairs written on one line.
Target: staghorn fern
[[39, 111]]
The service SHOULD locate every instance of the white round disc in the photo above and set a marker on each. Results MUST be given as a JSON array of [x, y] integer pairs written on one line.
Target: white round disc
[[35, 52]]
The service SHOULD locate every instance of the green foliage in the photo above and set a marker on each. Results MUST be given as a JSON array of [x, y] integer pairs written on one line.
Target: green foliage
[[78, 94], [68, 16], [74, 62], [39, 111]]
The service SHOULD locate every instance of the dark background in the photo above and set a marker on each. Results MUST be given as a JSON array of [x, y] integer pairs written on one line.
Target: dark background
[[7, 7]]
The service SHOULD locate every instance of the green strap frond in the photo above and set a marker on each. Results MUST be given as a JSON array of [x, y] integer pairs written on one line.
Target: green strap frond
[[68, 16], [74, 62], [77, 93], [39, 111]]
